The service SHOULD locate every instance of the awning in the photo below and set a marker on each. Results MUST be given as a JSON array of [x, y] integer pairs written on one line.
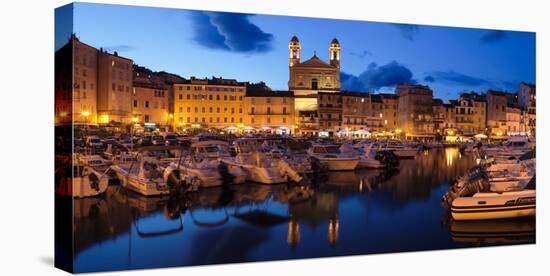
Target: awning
[[480, 136], [362, 132]]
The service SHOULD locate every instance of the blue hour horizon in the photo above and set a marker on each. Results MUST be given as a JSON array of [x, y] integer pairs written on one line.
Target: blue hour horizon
[[374, 56]]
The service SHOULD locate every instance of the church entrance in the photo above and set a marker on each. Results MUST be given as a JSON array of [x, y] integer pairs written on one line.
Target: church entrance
[[314, 84]]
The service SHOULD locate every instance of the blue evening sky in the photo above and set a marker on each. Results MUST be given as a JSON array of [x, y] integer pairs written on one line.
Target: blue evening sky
[[254, 48]]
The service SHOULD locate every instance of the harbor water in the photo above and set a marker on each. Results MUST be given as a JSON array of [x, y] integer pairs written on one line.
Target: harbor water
[[343, 213]]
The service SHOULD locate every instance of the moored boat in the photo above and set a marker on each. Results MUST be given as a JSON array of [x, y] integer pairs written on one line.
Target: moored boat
[[334, 159], [492, 205], [148, 176], [87, 182]]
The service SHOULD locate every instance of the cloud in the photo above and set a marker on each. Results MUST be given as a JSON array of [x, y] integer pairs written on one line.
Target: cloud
[[456, 78], [351, 82], [119, 48], [361, 55], [230, 32], [407, 31], [429, 79], [493, 36], [376, 77]]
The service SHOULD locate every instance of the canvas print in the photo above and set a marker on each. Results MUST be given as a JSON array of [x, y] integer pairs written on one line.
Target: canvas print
[[187, 137]]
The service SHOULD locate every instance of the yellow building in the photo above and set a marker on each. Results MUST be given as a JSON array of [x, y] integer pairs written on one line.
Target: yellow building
[[330, 113], [377, 119], [389, 119], [415, 110], [209, 103], [513, 121], [150, 105], [497, 102], [270, 111], [470, 113], [114, 95], [84, 83], [356, 110], [100, 88]]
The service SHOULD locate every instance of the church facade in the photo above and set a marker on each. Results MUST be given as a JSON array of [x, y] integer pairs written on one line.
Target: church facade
[[308, 80], [313, 75]]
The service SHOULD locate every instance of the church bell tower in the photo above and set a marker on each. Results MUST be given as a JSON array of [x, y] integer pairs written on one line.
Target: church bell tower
[[294, 51], [334, 52]]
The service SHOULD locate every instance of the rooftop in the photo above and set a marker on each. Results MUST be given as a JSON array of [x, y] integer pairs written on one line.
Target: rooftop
[[314, 62], [212, 81], [269, 93]]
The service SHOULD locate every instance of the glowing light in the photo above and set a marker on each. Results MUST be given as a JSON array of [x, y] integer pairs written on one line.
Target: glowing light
[[135, 119], [450, 155], [104, 119], [63, 114], [85, 113]]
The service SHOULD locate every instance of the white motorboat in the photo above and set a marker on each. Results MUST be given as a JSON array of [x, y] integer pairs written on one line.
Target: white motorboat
[[260, 169], [147, 175], [502, 190], [210, 155], [400, 149], [204, 173], [366, 161], [495, 205], [87, 182], [333, 158], [514, 147]]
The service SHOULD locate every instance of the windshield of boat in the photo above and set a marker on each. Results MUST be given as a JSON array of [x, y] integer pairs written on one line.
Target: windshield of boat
[[209, 149], [94, 140]]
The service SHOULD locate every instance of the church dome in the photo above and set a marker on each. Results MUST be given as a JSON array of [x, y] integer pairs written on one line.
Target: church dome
[[335, 41], [294, 39]]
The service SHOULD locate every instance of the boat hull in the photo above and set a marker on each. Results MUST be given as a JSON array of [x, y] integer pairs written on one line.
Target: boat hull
[[484, 206], [406, 153], [340, 164], [138, 185], [365, 163], [83, 187]]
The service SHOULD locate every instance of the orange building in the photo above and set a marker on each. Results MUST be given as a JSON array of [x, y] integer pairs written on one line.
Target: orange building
[[114, 98], [150, 104], [270, 111]]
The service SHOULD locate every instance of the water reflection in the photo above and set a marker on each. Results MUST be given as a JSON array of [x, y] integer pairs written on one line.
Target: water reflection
[[360, 212], [494, 232]]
